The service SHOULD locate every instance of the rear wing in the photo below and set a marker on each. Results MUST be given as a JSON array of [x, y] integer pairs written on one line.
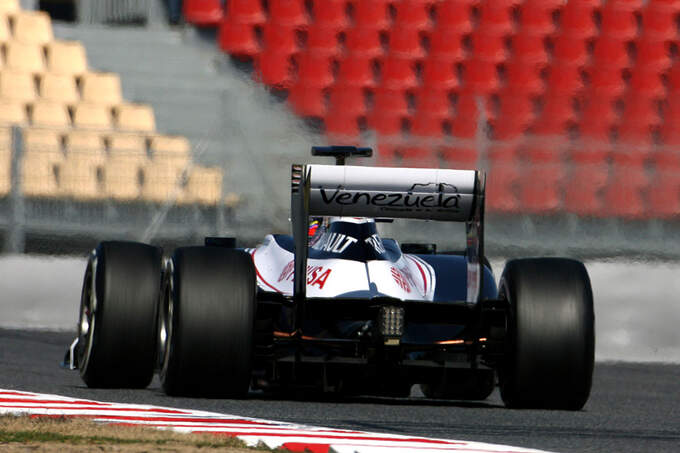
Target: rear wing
[[381, 192]]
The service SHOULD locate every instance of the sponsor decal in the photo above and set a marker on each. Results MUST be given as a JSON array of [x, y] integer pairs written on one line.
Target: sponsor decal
[[400, 279], [395, 200], [334, 243], [316, 275], [375, 242]]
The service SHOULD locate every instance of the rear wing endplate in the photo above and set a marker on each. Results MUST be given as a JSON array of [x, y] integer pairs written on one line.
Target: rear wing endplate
[[383, 192]]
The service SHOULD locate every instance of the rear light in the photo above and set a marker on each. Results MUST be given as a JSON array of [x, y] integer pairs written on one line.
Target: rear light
[[391, 324]]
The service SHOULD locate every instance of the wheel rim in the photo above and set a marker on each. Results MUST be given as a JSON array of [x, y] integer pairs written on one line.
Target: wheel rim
[[88, 313], [166, 314]]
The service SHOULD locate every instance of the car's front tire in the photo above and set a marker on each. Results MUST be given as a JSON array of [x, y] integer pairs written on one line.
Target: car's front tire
[[206, 323], [117, 323], [550, 334]]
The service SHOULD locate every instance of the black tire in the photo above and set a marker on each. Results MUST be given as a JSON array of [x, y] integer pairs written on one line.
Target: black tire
[[462, 385], [117, 323], [550, 334], [207, 317]]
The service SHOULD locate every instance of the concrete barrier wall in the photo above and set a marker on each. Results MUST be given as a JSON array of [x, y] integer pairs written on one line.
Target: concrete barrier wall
[[636, 303]]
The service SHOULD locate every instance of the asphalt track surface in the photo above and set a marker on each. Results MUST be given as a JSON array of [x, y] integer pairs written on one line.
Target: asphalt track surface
[[632, 408]]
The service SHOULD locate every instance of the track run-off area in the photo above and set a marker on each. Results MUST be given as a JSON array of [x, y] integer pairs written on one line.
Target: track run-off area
[[634, 404]]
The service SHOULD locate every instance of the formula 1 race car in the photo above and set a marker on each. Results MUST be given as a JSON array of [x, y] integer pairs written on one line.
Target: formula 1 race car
[[335, 307]]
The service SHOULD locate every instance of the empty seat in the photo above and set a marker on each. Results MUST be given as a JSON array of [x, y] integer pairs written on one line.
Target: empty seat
[[488, 47], [123, 144], [389, 107], [658, 21], [454, 15], [238, 39], [501, 187], [41, 163], [515, 115], [12, 112], [577, 20], [663, 196], [24, 57], [356, 70], [92, 116], [373, 14], [405, 42], [17, 86], [653, 54], [101, 88], [274, 69], [598, 116], [439, 74], [5, 34], [59, 87], [565, 79], [623, 195], [288, 12], [447, 43], [611, 53], [203, 185], [398, 73], [582, 195], [314, 70], [556, 115], [460, 156], [175, 145], [346, 98], [135, 117], [480, 76], [279, 38], [307, 100], [364, 41], [123, 176], [607, 81], [9, 6], [342, 127], [529, 49], [433, 101], [570, 51], [322, 40], [202, 12], [82, 175], [495, 17], [330, 14], [39, 139], [66, 57], [33, 27], [525, 78], [536, 16], [618, 21], [413, 14], [540, 188], [50, 114], [84, 140], [163, 180], [245, 12]]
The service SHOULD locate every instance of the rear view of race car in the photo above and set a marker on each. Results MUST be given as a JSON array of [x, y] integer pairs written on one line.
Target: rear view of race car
[[338, 308]]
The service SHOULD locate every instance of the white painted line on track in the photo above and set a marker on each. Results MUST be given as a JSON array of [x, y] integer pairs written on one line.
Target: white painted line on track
[[252, 431]]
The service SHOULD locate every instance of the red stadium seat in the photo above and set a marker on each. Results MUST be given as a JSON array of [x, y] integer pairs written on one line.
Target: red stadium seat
[[524, 78], [541, 188], [314, 70], [590, 151], [279, 38], [446, 44], [658, 20], [556, 115], [454, 15], [373, 14], [536, 16], [389, 109], [544, 149], [565, 79], [623, 195], [356, 71], [202, 12], [582, 195], [464, 123], [606, 81], [347, 98], [308, 101], [529, 49], [238, 39], [404, 42], [417, 156], [434, 102], [427, 125], [330, 14], [495, 17], [363, 42], [480, 76], [460, 157], [515, 116], [670, 129], [577, 20], [501, 190], [664, 195], [570, 51], [618, 21], [412, 14], [244, 12], [288, 12], [611, 53], [398, 73], [488, 47], [653, 54], [639, 111], [274, 69], [598, 116], [503, 151], [322, 40], [673, 79], [342, 127], [439, 74]]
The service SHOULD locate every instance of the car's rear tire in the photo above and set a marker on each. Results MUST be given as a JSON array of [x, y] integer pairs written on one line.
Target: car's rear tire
[[550, 334], [206, 323], [117, 323], [461, 385]]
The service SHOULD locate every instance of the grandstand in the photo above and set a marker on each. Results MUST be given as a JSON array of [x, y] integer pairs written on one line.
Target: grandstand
[[568, 104]]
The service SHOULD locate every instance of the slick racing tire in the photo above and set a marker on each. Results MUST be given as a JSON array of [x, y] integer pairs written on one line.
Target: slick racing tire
[[206, 323], [550, 338], [461, 385], [117, 323]]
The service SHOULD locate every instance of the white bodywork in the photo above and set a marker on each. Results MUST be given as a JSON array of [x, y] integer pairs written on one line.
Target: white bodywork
[[409, 278]]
